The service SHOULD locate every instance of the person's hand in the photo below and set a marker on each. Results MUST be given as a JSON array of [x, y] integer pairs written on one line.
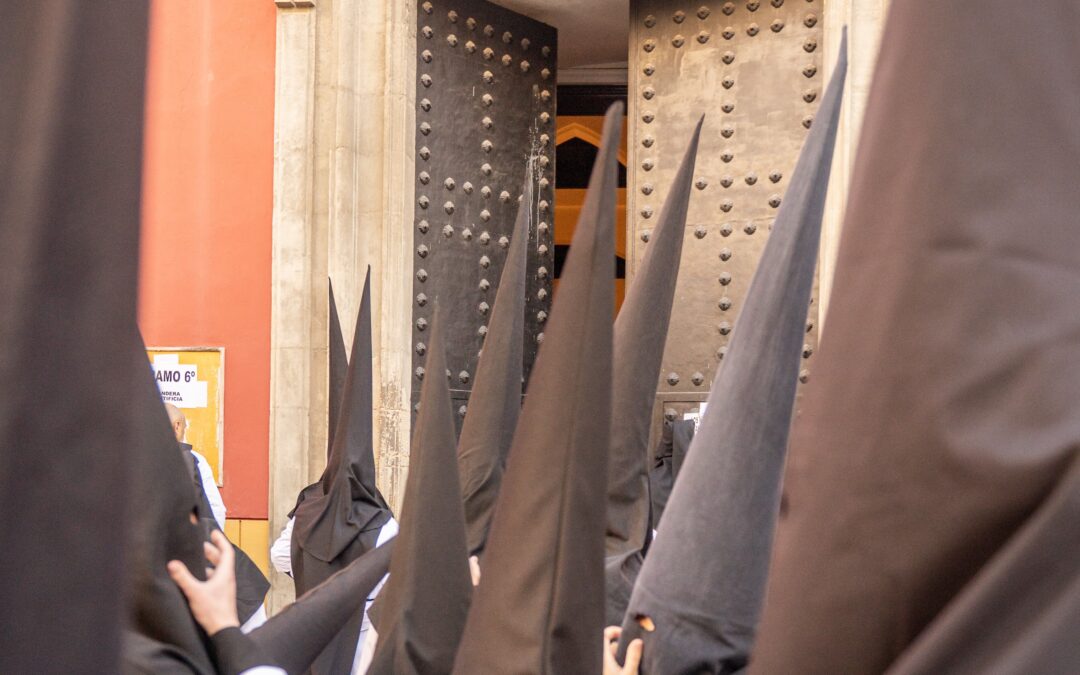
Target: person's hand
[[474, 569], [213, 602], [633, 653]]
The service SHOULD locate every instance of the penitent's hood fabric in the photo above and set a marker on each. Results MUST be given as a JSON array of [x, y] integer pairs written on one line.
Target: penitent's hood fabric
[[703, 581], [72, 79], [540, 604], [945, 414], [425, 601], [495, 402], [339, 521]]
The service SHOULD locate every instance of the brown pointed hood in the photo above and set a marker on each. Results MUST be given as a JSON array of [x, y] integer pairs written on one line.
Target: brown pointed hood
[[294, 637], [163, 500], [1021, 612], [71, 111], [427, 595], [640, 333], [540, 605], [495, 402], [338, 370], [946, 404], [350, 503], [703, 581]]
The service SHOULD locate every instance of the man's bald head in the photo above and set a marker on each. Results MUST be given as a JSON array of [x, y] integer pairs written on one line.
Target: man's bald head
[[177, 420]]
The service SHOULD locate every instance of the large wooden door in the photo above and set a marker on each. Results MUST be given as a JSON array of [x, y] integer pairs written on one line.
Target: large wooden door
[[485, 96], [755, 69]]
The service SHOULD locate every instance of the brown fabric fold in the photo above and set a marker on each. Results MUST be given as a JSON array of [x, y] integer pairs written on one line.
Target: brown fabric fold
[[945, 405]]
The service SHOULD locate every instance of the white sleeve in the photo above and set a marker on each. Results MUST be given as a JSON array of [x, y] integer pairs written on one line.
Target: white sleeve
[[213, 495], [390, 529], [281, 551], [255, 620], [365, 650], [365, 645]]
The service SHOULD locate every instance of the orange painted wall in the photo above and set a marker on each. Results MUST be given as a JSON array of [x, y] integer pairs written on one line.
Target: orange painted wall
[[207, 203]]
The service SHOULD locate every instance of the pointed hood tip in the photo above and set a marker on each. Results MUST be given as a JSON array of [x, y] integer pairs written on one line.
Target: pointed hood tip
[[495, 403], [736, 474], [641, 330], [337, 365], [328, 523], [557, 604]]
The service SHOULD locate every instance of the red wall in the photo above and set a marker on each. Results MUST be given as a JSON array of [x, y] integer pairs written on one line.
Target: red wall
[[207, 199]]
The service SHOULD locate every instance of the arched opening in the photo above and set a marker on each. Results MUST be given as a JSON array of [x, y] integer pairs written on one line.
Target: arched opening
[[577, 138]]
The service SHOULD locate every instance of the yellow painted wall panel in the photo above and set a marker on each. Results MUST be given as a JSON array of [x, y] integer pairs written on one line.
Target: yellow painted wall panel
[[255, 540], [232, 530]]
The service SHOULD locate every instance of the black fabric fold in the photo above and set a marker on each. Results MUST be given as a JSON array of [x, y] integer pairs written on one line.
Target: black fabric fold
[[338, 368], [251, 584]]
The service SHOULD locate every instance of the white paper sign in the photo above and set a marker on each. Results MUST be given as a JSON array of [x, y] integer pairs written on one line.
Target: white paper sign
[[179, 383]]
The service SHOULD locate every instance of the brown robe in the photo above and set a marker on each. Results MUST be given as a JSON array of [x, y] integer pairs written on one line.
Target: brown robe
[[946, 409]]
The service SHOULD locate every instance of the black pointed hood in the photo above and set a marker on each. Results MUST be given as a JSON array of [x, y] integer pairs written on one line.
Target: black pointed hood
[[350, 503], [945, 406], [338, 370], [640, 333], [338, 364], [703, 582], [540, 605], [427, 595], [495, 402], [295, 637], [163, 501]]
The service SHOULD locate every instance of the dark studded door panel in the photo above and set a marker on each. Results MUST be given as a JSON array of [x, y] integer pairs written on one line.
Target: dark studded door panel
[[485, 96], [754, 68]]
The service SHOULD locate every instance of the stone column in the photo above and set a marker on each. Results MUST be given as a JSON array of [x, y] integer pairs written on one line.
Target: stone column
[[294, 397], [865, 20], [343, 193], [393, 360]]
